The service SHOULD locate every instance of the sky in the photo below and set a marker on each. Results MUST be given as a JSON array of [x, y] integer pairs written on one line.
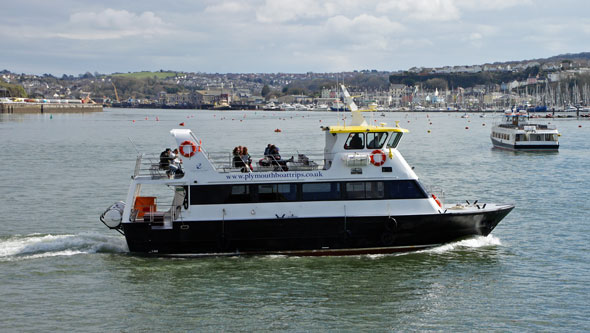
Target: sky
[[288, 36]]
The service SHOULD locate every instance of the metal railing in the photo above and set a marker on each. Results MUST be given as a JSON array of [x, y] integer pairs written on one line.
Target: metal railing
[[437, 191], [223, 162], [153, 215], [149, 165]]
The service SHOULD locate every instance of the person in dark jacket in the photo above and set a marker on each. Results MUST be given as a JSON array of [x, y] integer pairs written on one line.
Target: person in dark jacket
[[166, 158], [237, 157]]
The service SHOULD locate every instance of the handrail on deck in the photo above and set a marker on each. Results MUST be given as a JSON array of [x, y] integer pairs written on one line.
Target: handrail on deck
[[223, 162], [149, 165]]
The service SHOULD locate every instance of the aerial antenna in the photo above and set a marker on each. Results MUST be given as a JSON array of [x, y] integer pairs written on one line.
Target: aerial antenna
[[134, 146]]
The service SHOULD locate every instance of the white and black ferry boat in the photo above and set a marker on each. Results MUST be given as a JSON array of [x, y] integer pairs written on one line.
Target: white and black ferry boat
[[517, 132], [360, 197]]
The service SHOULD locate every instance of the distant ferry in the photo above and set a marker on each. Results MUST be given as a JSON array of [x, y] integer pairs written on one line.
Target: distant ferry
[[362, 198], [516, 132]]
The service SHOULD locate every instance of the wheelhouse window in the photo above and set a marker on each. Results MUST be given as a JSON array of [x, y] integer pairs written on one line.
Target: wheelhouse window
[[320, 191], [376, 140], [355, 141], [394, 139]]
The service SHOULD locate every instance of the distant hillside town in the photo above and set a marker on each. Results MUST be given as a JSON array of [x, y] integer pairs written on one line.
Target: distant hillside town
[[558, 82]]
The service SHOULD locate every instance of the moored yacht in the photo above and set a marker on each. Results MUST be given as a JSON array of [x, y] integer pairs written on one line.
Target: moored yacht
[[517, 132], [359, 197]]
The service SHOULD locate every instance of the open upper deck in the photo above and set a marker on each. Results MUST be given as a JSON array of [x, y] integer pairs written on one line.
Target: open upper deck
[[148, 165]]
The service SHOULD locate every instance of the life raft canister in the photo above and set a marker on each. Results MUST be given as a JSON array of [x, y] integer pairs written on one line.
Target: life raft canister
[[187, 143], [379, 162]]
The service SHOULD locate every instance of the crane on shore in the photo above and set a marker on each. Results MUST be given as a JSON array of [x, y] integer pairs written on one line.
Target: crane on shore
[[116, 94]]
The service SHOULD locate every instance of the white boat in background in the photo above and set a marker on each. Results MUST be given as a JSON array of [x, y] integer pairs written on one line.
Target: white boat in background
[[517, 132], [300, 107], [322, 107], [271, 107], [286, 107]]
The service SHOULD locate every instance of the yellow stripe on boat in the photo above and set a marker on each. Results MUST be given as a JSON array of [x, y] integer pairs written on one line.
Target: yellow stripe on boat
[[359, 129]]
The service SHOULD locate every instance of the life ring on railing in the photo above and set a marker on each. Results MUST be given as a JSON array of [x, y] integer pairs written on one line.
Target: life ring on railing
[[437, 201], [381, 161], [193, 148]]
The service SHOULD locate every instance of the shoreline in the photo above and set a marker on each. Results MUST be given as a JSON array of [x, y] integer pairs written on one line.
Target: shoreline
[[41, 108]]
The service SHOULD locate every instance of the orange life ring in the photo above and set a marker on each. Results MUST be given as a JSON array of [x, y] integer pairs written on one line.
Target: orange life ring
[[383, 157], [437, 201], [193, 148]]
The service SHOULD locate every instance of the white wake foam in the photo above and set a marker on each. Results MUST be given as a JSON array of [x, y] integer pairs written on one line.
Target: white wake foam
[[476, 242], [40, 246]]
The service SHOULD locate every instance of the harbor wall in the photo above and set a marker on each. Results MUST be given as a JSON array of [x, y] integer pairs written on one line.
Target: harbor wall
[[48, 108]]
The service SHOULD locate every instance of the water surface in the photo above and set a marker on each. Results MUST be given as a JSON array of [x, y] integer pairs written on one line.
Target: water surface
[[63, 270]]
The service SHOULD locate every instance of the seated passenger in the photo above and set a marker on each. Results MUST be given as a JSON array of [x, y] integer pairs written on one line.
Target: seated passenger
[[377, 141], [166, 158], [173, 167], [276, 158], [268, 158], [267, 150], [246, 159], [177, 162], [273, 152], [237, 157]]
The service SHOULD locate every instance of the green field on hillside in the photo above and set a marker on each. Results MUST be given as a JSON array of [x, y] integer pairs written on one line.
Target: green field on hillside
[[143, 75]]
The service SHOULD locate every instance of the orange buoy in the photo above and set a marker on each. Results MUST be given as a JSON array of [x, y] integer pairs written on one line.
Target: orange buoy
[[181, 124], [277, 130]]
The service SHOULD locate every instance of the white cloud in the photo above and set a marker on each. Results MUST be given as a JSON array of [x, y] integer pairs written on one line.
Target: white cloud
[[228, 7], [475, 36], [288, 10], [422, 10], [112, 24], [363, 24], [491, 4]]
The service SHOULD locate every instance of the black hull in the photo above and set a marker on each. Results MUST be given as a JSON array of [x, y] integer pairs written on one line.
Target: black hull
[[325, 236]]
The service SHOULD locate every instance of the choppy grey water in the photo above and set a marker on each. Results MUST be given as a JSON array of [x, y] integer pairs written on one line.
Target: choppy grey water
[[61, 269]]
